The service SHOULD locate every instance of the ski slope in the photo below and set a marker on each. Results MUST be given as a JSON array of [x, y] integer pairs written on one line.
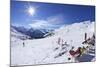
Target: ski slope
[[42, 51]]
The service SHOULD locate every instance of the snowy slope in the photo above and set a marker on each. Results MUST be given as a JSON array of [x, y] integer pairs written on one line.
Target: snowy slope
[[16, 36], [75, 32], [42, 51]]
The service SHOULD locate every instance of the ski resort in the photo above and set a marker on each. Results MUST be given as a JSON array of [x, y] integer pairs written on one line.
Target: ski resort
[[69, 43]]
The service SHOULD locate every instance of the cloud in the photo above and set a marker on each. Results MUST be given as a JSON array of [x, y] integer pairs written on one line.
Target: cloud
[[39, 24], [57, 19], [50, 22]]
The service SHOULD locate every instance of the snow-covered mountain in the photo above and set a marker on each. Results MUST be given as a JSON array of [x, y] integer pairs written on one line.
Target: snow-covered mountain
[[17, 34], [33, 33], [47, 50], [37, 33]]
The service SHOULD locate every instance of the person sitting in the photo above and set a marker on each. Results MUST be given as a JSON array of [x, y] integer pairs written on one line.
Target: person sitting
[[72, 52], [77, 53]]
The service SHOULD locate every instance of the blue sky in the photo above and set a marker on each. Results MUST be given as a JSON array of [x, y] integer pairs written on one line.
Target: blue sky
[[48, 15]]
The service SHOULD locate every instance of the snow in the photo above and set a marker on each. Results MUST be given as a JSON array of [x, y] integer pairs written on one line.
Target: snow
[[42, 51]]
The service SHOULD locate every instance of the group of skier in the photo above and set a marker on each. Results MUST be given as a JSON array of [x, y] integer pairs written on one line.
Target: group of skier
[[62, 42]]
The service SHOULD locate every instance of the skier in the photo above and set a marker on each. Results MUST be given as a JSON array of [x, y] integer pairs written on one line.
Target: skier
[[93, 40], [59, 40], [85, 36], [23, 44], [66, 44], [85, 39]]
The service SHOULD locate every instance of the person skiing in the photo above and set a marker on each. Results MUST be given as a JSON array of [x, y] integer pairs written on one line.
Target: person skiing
[[59, 40], [85, 36], [64, 45], [85, 39], [92, 41], [23, 44]]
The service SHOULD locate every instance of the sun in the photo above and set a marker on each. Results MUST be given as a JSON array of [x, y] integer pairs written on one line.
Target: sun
[[31, 11]]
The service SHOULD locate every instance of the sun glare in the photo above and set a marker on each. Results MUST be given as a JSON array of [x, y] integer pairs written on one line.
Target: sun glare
[[31, 11]]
